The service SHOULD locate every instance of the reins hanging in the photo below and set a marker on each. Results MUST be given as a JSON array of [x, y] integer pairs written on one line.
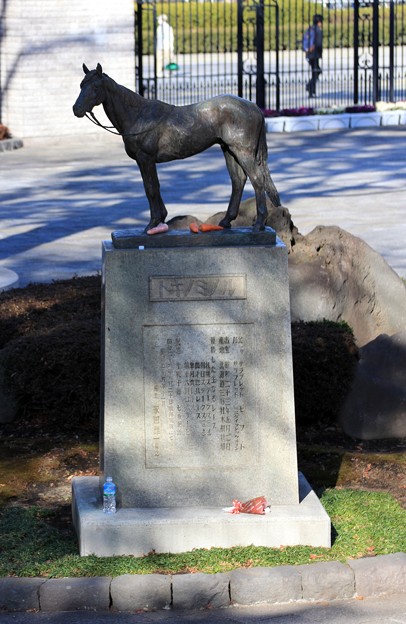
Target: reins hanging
[[92, 117]]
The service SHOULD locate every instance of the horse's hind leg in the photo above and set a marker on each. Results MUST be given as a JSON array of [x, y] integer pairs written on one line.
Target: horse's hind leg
[[258, 180], [257, 169], [238, 179], [262, 159], [254, 170], [262, 210], [263, 186]]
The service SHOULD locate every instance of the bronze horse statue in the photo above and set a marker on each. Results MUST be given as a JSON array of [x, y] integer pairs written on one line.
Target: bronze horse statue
[[155, 132]]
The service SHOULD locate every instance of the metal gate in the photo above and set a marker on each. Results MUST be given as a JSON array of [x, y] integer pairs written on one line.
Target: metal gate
[[379, 51], [258, 51], [252, 48]]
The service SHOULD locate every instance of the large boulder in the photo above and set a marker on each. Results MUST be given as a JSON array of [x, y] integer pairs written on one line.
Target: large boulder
[[375, 407], [337, 276]]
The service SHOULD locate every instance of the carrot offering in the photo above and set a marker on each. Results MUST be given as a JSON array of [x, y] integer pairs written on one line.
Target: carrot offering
[[208, 227], [193, 227]]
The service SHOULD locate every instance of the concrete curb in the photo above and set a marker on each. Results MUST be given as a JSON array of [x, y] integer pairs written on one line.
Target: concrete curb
[[372, 576], [338, 121], [8, 279]]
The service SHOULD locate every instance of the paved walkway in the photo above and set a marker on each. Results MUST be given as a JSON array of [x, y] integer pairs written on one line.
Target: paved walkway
[[375, 610], [60, 198]]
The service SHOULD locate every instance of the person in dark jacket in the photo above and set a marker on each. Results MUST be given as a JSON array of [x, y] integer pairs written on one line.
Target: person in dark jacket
[[314, 53]]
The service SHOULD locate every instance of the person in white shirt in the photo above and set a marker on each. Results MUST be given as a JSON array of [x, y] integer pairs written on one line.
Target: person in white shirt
[[164, 44]]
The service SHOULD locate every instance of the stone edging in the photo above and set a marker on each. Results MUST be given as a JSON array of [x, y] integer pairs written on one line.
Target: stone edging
[[335, 122], [332, 580], [8, 279]]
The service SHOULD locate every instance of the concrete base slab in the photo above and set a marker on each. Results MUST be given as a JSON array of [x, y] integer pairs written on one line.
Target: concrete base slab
[[139, 531], [8, 279]]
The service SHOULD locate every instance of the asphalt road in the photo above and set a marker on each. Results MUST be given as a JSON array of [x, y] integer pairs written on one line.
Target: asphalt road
[[376, 610]]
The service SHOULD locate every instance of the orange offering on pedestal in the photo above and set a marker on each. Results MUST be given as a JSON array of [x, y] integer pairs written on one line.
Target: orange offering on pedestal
[[208, 227], [254, 506]]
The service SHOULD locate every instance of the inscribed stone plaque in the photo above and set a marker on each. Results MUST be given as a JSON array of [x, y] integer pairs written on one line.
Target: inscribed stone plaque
[[197, 288], [198, 384]]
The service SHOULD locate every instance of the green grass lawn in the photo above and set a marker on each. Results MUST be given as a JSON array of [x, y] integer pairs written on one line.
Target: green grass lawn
[[364, 524]]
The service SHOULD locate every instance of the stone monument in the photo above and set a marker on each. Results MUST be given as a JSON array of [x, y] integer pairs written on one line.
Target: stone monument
[[197, 398]]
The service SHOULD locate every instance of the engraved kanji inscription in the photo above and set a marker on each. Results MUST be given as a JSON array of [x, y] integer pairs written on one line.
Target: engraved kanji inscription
[[198, 387], [206, 287]]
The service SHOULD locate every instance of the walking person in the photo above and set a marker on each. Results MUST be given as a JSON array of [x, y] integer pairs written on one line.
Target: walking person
[[164, 44], [313, 48]]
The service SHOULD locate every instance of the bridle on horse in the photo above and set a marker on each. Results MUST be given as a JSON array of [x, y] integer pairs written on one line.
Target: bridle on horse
[[92, 117]]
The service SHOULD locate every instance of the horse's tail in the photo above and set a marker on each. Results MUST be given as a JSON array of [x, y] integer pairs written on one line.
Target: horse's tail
[[262, 162]]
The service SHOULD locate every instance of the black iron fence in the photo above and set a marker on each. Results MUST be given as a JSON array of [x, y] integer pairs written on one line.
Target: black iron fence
[[253, 48]]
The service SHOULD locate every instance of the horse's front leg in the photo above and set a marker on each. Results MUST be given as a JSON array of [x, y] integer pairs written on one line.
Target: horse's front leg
[[238, 180], [150, 179]]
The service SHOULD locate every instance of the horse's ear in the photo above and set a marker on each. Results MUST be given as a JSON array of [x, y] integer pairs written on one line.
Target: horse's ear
[[85, 69], [99, 69]]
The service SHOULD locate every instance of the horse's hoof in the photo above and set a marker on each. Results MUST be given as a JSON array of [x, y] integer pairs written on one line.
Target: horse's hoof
[[225, 223], [258, 227]]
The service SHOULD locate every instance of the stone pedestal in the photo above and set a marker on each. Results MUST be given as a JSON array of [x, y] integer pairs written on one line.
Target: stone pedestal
[[197, 403]]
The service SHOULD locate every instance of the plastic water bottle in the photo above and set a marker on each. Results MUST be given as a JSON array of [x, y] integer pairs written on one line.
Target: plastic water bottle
[[109, 496]]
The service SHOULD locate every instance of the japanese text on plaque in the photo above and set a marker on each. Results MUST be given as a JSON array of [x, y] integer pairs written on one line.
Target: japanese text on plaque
[[206, 287], [196, 388]]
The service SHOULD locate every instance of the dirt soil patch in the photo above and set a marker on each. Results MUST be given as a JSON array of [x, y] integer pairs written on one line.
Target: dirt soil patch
[[50, 358]]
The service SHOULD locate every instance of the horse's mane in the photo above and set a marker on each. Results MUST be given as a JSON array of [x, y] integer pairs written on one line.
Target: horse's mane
[[129, 97]]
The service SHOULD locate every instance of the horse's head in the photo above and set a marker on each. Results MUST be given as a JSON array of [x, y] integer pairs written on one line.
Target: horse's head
[[91, 91]]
